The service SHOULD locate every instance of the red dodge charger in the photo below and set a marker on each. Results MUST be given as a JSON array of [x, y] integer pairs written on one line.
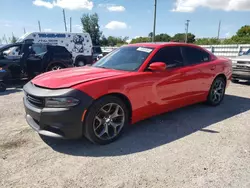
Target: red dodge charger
[[130, 84]]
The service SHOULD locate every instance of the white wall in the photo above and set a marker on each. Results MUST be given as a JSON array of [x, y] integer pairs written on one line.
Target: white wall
[[229, 51]]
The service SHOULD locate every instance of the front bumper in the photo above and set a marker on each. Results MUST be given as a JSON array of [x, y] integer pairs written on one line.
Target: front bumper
[[55, 122], [241, 74]]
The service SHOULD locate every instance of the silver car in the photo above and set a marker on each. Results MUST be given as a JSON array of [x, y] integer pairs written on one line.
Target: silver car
[[241, 67]]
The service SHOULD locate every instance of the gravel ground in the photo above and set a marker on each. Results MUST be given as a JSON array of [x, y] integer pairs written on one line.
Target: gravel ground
[[197, 146]]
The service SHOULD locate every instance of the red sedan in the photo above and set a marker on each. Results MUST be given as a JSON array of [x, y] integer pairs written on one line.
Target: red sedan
[[130, 84]]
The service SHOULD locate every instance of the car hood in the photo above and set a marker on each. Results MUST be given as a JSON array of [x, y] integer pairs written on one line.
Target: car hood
[[66, 78], [244, 57]]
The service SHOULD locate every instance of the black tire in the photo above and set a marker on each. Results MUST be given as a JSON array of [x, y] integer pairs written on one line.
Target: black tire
[[55, 66], [215, 91], [2, 87], [80, 62], [235, 81], [89, 124]]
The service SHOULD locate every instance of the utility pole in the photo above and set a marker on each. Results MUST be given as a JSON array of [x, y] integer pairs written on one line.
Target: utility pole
[[24, 30], [153, 37], [70, 24], [65, 25], [39, 26], [218, 37], [187, 25]]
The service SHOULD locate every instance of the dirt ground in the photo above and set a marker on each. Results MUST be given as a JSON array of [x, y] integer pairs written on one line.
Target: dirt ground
[[197, 146]]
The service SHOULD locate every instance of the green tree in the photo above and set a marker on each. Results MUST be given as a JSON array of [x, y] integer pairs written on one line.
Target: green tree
[[162, 38], [180, 37], [103, 41], [114, 41], [140, 39], [207, 41], [244, 31], [13, 39], [90, 23]]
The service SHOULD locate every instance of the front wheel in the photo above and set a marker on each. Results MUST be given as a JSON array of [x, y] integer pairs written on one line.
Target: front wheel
[[217, 92], [105, 120]]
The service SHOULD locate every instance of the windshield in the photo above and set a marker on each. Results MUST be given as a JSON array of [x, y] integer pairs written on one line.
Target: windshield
[[247, 53], [128, 58], [22, 37]]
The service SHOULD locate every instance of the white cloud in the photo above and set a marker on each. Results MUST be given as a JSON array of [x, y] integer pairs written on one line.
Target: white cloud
[[112, 7], [42, 3], [47, 30], [227, 5], [7, 25], [116, 8], [116, 25], [67, 4]]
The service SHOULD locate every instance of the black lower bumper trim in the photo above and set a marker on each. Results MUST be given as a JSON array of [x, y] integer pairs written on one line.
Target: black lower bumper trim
[[56, 122]]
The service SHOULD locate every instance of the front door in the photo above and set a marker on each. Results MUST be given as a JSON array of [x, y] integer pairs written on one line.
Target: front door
[[173, 88], [10, 62]]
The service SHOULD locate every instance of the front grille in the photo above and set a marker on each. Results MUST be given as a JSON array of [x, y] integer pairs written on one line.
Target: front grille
[[36, 101], [243, 62]]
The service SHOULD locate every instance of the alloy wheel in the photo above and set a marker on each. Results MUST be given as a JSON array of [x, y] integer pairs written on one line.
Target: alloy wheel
[[57, 67], [218, 90], [109, 121]]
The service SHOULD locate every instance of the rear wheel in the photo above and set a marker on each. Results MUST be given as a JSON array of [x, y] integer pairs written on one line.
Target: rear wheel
[[80, 62], [217, 92], [56, 66], [2, 87], [106, 120]]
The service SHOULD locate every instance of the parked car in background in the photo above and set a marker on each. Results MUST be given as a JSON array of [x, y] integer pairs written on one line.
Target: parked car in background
[[97, 53], [245, 53], [78, 44], [241, 68], [130, 84], [31, 60]]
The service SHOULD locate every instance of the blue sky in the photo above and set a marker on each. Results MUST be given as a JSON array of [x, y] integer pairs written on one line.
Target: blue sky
[[127, 17]]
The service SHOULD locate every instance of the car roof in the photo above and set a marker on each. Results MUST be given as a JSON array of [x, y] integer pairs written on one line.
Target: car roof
[[162, 44]]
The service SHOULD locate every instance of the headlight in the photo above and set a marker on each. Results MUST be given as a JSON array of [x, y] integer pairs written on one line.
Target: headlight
[[61, 102], [234, 62]]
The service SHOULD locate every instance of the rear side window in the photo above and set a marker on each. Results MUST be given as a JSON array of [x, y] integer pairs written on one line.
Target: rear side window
[[59, 50], [195, 55], [39, 49], [172, 56]]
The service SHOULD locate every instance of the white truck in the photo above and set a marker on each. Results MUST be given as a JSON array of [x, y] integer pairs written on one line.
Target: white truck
[[78, 44]]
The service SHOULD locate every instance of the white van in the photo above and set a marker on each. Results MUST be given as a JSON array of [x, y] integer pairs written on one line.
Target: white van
[[78, 44]]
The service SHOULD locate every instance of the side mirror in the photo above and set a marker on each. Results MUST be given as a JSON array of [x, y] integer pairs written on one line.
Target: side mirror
[[157, 66]]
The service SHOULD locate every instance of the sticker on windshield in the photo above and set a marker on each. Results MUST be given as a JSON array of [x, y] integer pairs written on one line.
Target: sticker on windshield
[[147, 50]]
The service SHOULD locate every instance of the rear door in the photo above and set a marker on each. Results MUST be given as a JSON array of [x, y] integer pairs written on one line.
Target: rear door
[[35, 59], [200, 65]]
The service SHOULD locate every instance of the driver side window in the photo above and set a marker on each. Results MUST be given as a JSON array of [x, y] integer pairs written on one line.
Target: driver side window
[[170, 55]]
